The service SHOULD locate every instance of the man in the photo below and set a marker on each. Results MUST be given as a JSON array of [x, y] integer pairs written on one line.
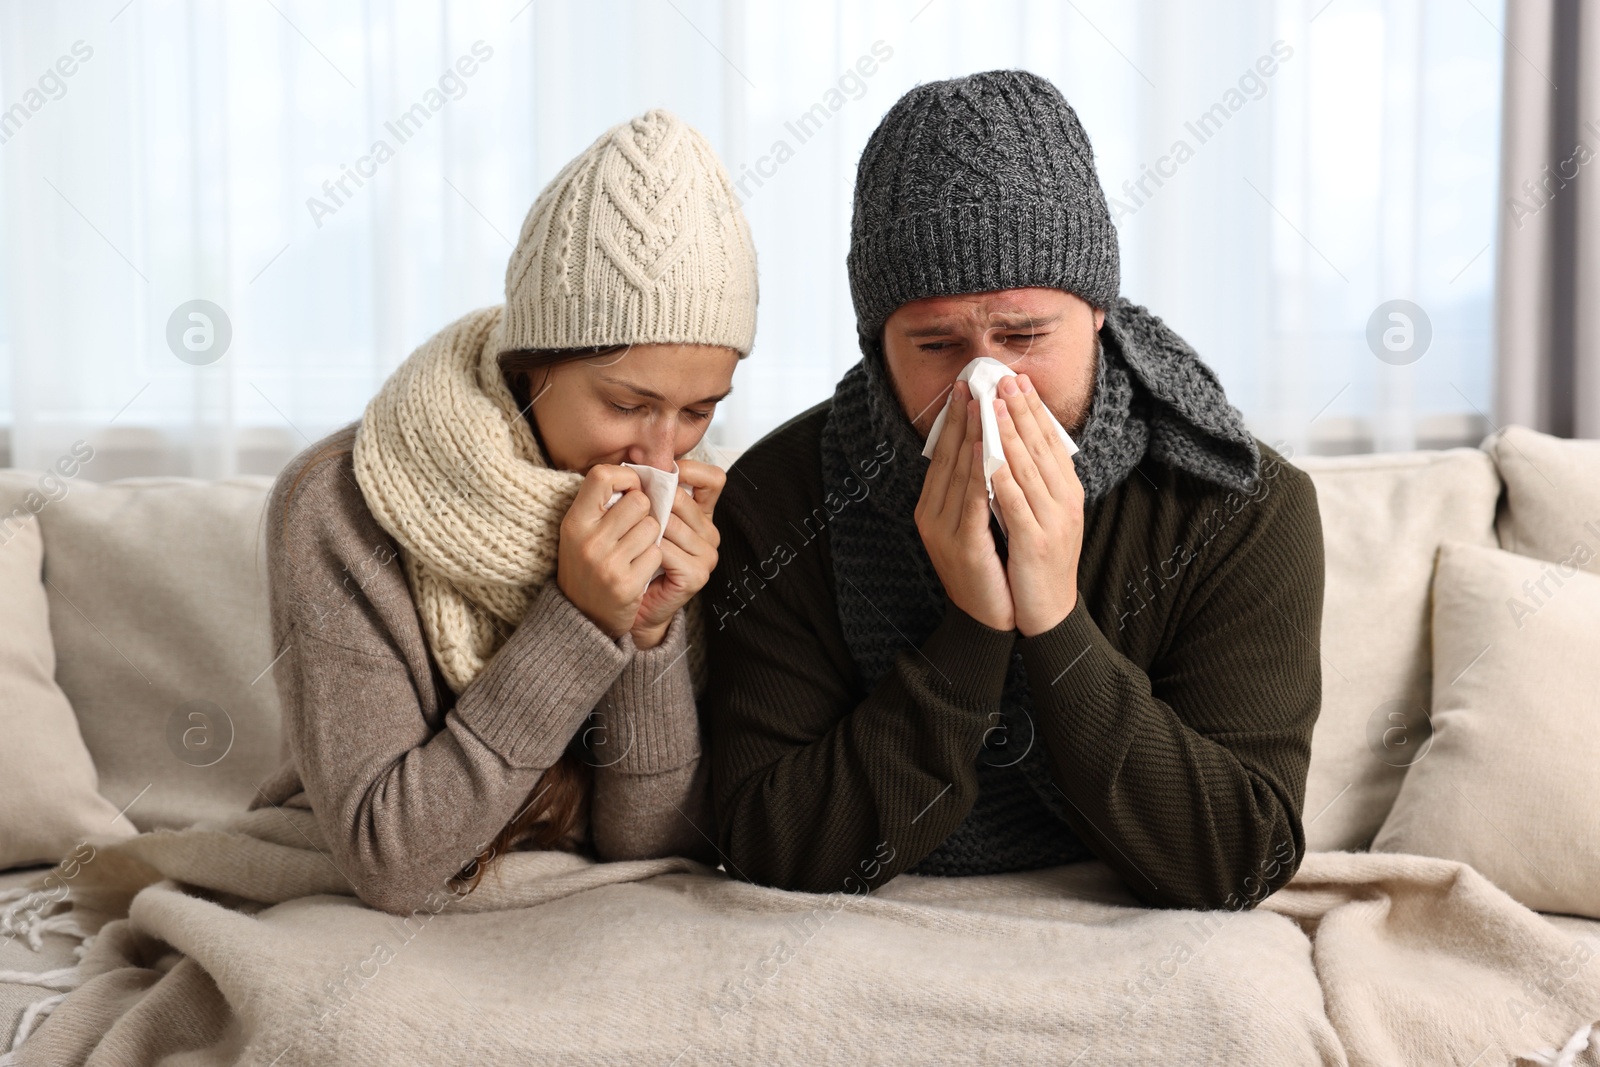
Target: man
[[1129, 673]]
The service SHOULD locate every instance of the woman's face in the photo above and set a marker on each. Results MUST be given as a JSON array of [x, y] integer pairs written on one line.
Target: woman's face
[[647, 404]]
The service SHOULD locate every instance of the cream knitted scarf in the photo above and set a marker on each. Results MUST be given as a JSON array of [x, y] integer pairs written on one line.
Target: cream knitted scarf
[[451, 469]]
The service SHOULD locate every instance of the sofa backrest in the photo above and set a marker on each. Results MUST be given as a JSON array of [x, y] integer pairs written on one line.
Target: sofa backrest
[[1383, 518], [159, 614]]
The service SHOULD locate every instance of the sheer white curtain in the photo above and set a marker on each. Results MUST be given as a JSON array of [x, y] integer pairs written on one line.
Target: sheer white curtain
[[342, 180]]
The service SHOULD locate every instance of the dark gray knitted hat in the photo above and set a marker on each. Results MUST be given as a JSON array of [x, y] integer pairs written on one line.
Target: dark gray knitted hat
[[973, 184]]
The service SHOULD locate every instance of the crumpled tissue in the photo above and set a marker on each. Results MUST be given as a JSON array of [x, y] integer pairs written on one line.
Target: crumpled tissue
[[983, 377]]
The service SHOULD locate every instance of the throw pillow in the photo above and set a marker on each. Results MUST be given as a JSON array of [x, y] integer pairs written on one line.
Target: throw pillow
[[1507, 783], [49, 799]]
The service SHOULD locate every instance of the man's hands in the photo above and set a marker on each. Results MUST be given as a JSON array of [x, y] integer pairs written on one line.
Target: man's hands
[[1042, 500], [606, 556], [953, 518], [1037, 491]]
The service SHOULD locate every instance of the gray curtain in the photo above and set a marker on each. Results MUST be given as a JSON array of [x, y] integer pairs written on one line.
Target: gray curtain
[[1547, 297]]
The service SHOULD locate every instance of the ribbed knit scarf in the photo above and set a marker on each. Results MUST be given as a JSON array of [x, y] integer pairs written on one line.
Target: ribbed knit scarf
[[1152, 397], [451, 469]]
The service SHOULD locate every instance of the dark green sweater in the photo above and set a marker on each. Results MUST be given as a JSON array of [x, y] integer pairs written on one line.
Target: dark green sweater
[[1176, 701]]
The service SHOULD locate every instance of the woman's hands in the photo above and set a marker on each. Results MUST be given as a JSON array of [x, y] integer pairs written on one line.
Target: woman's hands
[[688, 551], [1038, 492], [606, 556]]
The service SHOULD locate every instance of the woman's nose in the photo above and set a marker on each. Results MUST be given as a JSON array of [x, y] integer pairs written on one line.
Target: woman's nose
[[655, 447]]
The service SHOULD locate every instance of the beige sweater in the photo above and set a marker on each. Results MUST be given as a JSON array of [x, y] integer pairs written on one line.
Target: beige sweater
[[409, 781]]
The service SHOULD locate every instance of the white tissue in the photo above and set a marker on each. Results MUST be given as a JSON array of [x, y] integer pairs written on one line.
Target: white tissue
[[983, 377], [660, 486]]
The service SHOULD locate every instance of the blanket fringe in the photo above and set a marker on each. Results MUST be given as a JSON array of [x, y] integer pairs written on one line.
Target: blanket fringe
[[1566, 1056], [37, 1012], [31, 914]]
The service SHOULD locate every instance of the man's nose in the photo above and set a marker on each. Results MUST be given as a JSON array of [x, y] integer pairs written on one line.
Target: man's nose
[[992, 343]]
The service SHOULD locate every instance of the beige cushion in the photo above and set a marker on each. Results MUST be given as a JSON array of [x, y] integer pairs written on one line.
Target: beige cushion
[[1552, 493], [48, 797], [1383, 518], [158, 606], [1508, 782]]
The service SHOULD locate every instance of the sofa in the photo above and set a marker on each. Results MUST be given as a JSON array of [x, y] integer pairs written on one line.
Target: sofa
[[136, 662]]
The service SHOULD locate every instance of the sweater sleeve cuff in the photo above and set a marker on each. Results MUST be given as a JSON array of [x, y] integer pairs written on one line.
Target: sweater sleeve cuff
[[656, 724], [534, 694], [1073, 665], [968, 659]]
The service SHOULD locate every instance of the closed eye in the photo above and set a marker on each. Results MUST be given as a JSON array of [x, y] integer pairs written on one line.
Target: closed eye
[[690, 413]]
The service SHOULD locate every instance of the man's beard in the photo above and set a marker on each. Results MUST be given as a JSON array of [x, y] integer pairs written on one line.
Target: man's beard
[[1073, 420]]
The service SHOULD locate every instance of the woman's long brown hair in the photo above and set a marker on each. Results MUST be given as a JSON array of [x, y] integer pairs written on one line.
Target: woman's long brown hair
[[560, 798]]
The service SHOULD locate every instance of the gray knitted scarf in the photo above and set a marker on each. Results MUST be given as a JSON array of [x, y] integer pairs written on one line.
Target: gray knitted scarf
[[1153, 397]]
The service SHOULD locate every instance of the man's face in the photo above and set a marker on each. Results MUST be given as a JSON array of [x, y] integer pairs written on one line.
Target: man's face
[[1047, 334]]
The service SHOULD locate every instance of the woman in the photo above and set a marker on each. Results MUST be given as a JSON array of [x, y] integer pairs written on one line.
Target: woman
[[479, 653]]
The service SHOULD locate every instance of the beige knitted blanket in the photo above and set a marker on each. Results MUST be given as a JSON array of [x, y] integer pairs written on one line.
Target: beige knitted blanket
[[238, 942], [450, 468]]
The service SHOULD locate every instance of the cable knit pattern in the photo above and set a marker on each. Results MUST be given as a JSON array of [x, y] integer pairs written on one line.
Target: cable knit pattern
[[972, 185], [638, 240], [975, 184]]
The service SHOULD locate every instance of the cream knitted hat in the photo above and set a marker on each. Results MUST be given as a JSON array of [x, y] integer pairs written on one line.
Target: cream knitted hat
[[639, 240]]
